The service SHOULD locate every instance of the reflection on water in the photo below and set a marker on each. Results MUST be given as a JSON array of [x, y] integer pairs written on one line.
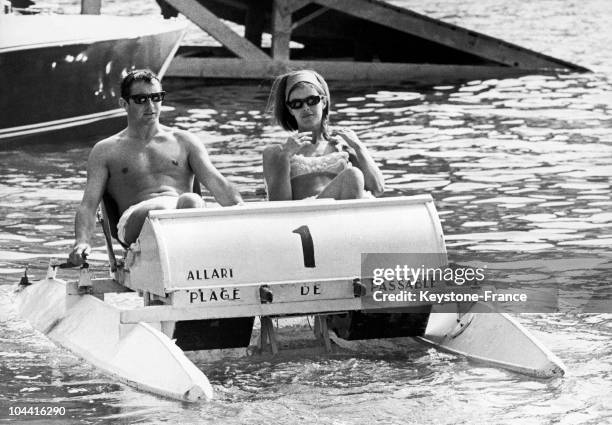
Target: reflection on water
[[501, 183], [520, 171]]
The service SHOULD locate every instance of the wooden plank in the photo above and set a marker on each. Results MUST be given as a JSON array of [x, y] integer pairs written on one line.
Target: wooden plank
[[447, 34], [281, 30], [341, 70], [236, 4], [210, 23], [294, 5], [309, 17]]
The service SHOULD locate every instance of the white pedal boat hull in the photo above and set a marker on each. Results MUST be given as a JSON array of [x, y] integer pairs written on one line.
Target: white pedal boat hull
[[137, 355], [141, 356], [493, 339]]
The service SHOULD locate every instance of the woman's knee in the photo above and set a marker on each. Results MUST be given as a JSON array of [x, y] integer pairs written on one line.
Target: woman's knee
[[190, 200], [352, 186], [353, 177]]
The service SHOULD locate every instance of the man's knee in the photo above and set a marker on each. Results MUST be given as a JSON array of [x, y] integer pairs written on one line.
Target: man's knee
[[190, 200], [134, 225], [135, 221]]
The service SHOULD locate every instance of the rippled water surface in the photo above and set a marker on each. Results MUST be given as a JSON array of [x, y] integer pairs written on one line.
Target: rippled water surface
[[520, 170]]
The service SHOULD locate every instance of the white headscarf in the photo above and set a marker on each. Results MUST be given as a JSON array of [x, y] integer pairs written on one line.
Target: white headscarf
[[304, 76]]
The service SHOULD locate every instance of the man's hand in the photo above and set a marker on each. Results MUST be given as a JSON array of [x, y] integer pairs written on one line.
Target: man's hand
[[79, 253]]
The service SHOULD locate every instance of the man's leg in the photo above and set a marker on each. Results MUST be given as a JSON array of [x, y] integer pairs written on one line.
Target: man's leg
[[190, 200], [136, 219], [134, 223]]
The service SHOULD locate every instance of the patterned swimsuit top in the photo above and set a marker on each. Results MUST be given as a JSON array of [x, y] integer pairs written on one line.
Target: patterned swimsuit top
[[333, 163]]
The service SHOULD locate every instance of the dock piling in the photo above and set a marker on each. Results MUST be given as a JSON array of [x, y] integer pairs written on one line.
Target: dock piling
[[348, 40]]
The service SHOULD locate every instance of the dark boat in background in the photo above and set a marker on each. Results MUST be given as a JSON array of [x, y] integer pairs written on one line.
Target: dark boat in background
[[58, 72]]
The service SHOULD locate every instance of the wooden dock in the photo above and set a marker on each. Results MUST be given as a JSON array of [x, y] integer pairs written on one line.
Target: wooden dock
[[345, 40]]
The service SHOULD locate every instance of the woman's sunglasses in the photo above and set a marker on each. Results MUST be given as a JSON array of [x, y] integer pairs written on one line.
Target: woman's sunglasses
[[298, 103], [139, 99]]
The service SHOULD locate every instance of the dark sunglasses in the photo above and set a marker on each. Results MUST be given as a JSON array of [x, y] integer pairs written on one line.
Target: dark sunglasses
[[139, 99], [298, 103]]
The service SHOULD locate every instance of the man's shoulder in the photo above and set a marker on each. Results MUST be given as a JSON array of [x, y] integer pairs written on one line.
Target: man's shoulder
[[179, 134], [105, 147], [184, 137], [109, 142]]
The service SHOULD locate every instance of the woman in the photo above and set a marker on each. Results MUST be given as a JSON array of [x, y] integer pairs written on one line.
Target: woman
[[312, 162]]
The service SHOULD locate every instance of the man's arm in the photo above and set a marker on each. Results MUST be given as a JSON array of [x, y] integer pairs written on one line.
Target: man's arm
[[85, 220], [223, 191]]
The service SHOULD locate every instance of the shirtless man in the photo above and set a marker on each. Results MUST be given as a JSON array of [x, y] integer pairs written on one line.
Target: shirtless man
[[147, 166]]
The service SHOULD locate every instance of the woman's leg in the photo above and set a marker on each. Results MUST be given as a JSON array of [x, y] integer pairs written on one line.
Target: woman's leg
[[348, 184]]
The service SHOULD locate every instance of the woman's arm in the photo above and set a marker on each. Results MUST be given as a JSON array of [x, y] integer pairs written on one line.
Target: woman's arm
[[276, 171], [277, 167], [373, 178]]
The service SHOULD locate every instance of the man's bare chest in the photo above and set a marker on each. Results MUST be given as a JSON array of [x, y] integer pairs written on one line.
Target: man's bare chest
[[148, 161]]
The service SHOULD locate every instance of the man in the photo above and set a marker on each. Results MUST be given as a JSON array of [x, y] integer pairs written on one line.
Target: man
[[147, 166]]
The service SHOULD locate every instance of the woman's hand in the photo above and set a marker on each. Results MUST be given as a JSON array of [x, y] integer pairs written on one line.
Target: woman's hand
[[349, 137], [277, 168], [349, 142], [296, 142]]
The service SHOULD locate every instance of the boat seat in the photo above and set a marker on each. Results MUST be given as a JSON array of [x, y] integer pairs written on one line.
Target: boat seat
[[109, 218], [110, 213]]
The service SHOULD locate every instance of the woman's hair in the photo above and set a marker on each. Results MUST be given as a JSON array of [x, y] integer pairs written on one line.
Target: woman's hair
[[280, 93]]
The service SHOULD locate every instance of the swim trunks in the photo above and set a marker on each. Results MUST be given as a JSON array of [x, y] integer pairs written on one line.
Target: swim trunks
[[168, 201]]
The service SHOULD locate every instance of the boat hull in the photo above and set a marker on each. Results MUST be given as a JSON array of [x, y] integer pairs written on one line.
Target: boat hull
[[493, 339], [73, 81], [138, 355], [92, 329]]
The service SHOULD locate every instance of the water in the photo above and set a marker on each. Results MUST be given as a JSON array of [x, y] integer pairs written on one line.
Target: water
[[520, 171]]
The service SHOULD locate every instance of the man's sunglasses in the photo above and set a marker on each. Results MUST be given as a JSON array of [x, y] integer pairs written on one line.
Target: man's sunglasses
[[139, 99], [298, 103]]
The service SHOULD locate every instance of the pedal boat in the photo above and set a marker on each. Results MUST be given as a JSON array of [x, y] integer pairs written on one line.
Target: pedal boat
[[205, 275]]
